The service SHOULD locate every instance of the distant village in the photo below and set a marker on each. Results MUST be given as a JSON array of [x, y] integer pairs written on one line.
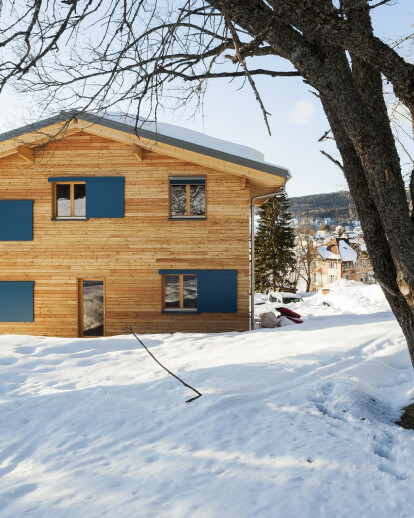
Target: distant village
[[332, 252]]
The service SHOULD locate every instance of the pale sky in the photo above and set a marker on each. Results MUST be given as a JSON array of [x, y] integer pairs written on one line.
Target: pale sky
[[297, 120]]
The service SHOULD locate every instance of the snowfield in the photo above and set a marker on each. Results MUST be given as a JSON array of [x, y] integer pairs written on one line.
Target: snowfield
[[295, 421]]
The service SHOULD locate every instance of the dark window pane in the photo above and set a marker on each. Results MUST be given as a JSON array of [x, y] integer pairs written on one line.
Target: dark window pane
[[62, 200], [178, 200], [93, 308], [172, 291], [79, 200], [190, 291], [198, 200]]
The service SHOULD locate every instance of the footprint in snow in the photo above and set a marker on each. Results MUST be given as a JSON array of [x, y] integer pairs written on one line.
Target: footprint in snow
[[8, 361], [19, 491], [25, 349]]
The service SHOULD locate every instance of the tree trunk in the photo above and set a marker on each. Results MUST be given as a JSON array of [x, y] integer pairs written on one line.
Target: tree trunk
[[375, 238], [354, 104]]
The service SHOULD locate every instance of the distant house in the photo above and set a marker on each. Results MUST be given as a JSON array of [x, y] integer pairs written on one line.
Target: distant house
[[340, 259], [108, 226]]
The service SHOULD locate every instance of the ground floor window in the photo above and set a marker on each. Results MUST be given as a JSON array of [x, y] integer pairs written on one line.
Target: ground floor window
[[180, 292], [199, 291]]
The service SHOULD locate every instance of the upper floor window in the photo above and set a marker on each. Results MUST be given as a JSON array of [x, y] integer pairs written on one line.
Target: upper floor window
[[70, 200], [87, 197], [187, 197]]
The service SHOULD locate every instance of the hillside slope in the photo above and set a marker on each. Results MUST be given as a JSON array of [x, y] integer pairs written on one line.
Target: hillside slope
[[336, 205]]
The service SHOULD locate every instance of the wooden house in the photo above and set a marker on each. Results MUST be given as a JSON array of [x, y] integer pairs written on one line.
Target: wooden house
[[341, 259], [103, 226]]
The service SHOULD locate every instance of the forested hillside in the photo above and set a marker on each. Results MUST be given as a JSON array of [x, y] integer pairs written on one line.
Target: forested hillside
[[336, 205]]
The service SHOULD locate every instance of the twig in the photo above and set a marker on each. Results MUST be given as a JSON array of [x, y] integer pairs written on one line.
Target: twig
[[326, 136], [244, 66], [332, 159], [130, 330]]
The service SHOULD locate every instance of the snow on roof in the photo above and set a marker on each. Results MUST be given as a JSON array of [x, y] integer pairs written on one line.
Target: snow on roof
[[346, 251], [195, 137], [327, 254], [363, 247]]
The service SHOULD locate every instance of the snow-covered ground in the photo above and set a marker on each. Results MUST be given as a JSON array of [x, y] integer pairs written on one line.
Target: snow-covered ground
[[296, 421]]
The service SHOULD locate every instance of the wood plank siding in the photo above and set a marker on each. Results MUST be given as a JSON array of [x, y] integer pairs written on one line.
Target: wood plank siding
[[126, 252]]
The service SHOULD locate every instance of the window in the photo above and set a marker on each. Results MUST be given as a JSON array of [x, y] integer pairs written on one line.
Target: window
[[180, 292], [188, 197], [199, 291], [88, 197], [69, 200]]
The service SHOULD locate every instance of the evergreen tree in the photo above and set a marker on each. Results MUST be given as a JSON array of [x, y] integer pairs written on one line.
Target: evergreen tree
[[274, 245]]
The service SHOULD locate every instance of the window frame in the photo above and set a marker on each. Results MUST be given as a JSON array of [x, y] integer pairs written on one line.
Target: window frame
[[187, 184], [72, 200], [181, 308], [79, 297]]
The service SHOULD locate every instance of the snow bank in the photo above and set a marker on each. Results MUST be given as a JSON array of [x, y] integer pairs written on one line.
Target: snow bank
[[296, 421]]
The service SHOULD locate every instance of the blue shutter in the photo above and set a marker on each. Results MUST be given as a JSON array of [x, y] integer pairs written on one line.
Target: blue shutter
[[16, 220], [216, 289], [105, 197], [16, 301]]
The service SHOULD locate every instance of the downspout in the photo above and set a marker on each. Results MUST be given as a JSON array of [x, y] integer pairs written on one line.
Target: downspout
[[280, 191]]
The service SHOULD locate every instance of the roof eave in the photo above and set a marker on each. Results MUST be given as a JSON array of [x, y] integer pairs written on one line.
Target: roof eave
[[150, 135]]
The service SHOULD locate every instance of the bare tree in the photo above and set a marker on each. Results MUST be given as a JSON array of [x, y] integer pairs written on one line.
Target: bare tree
[[305, 254], [92, 54]]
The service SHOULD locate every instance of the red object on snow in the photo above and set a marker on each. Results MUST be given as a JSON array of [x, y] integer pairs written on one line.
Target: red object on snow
[[296, 320], [288, 313]]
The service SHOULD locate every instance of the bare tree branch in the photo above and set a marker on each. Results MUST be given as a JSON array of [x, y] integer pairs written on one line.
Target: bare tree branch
[[332, 159], [236, 42], [199, 394]]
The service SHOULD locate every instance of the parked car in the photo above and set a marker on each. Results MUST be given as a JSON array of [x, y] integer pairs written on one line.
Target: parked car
[[283, 298]]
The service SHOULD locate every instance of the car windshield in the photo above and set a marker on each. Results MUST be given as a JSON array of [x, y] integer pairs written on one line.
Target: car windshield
[[286, 300]]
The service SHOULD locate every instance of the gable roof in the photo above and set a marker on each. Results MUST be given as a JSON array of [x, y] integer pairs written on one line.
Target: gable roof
[[338, 248], [168, 134]]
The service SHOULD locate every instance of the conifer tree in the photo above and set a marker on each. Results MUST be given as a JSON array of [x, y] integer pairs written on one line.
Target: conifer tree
[[274, 245]]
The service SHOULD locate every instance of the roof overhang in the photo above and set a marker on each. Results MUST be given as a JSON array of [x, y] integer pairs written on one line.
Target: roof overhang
[[23, 140]]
